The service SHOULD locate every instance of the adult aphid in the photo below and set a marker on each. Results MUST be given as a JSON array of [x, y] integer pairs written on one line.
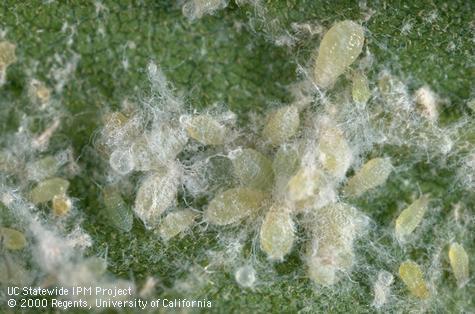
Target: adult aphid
[[277, 233], [371, 175], [411, 217], [281, 125], [176, 222], [12, 239], [411, 274], [459, 262], [253, 169]]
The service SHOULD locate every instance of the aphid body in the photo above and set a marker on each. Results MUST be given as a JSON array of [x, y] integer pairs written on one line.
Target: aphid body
[[372, 174], [411, 274], [459, 262], [176, 222], [411, 217], [277, 233], [281, 125]]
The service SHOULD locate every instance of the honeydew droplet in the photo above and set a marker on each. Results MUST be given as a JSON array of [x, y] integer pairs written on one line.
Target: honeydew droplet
[[281, 125], [122, 161], [12, 239], [253, 169], [412, 276], [245, 276], [46, 190], [206, 130], [176, 222], [360, 89], [156, 193], [411, 217], [61, 205], [116, 210], [459, 262], [233, 205], [277, 233], [339, 48], [372, 174]]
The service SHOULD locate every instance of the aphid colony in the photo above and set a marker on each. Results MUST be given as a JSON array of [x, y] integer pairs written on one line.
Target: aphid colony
[[293, 173]]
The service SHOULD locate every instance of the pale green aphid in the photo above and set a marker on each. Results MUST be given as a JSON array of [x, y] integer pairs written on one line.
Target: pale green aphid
[[304, 187], [175, 223], [12, 239], [7, 54], [411, 274], [334, 152], [253, 169], [372, 174], [277, 232], [339, 48], [360, 89], [411, 217], [331, 252], [281, 125], [47, 189], [206, 130], [116, 210], [285, 164], [43, 168], [459, 262], [233, 205], [156, 193], [382, 288]]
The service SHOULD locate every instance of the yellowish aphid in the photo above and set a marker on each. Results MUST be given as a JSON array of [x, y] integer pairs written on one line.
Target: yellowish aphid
[[61, 205], [116, 210], [410, 217], [39, 92], [331, 251], [360, 89], [43, 168], [277, 232], [459, 262], [335, 154], [12, 239], [206, 130], [156, 193], [176, 222], [382, 288], [411, 275], [373, 174], [253, 169], [7, 57], [281, 125], [285, 165], [339, 48], [233, 205], [47, 189], [307, 187]]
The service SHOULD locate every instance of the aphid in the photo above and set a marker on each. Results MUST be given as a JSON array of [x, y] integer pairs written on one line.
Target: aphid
[[116, 210], [43, 168], [285, 164], [308, 187], [281, 125], [206, 130], [277, 232], [233, 205], [45, 190], [382, 288], [360, 89], [156, 193], [7, 57], [331, 250], [339, 48], [410, 217], [459, 262], [428, 103], [371, 175], [12, 239], [122, 161], [196, 9], [253, 169], [335, 154], [61, 205], [245, 276], [175, 223], [39, 92], [412, 276]]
